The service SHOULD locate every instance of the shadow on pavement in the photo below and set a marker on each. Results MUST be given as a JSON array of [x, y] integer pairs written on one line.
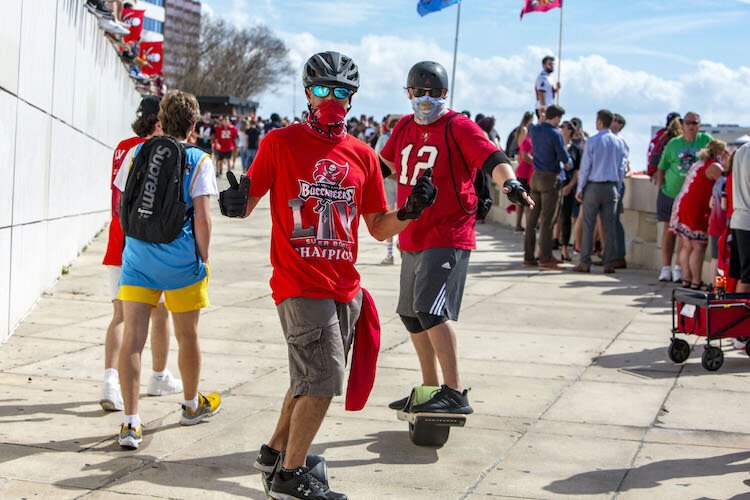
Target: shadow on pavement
[[650, 475], [655, 364], [47, 409], [392, 447]]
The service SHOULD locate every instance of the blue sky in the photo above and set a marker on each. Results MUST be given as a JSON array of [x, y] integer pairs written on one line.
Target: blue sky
[[642, 58]]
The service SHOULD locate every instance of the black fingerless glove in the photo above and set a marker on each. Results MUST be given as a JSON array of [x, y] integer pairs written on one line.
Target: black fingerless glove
[[422, 196], [233, 201], [516, 191]]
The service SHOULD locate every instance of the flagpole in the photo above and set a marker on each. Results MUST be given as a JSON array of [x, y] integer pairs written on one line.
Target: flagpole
[[559, 56], [455, 53]]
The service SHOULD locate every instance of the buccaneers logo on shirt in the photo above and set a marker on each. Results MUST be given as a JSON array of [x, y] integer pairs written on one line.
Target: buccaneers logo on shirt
[[331, 237]]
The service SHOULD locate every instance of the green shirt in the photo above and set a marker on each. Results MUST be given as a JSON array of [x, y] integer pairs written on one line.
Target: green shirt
[[676, 160]]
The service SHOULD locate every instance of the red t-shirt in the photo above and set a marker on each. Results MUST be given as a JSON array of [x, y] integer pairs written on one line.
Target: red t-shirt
[[116, 241], [414, 148], [318, 191], [525, 168], [225, 138]]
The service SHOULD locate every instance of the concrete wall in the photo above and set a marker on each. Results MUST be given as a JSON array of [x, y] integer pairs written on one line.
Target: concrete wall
[[65, 102]]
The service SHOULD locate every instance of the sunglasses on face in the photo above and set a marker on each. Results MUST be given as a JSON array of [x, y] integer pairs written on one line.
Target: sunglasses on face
[[692, 122], [436, 93], [338, 92]]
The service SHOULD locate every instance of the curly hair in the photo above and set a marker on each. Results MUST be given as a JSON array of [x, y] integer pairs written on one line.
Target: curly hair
[[178, 112], [144, 125]]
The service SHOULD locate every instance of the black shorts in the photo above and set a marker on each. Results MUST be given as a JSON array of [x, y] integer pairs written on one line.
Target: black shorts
[[223, 155], [663, 207], [739, 262], [432, 282]]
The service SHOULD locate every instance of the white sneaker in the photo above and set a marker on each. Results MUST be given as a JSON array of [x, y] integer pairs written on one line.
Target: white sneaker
[[169, 384], [665, 274], [739, 344], [387, 261], [677, 274], [111, 399], [112, 26]]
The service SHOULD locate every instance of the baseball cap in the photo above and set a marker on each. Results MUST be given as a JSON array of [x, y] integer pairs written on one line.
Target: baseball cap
[[671, 116], [149, 105], [576, 122]]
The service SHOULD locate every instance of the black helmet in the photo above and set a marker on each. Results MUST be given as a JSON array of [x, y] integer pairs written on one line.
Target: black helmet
[[331, 68], [427, 75]]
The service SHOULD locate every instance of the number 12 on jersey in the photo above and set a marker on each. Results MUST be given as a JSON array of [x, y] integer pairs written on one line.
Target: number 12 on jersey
[[429, 151]]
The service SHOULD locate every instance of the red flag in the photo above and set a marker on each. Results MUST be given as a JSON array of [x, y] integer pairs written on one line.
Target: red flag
[[153, 53], [540, 6], [134, 20]]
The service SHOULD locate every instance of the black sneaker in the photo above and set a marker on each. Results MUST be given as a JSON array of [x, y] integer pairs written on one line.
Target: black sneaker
[[98, 8], [266, 460], [400, 404], [446, 400], [302, 484]]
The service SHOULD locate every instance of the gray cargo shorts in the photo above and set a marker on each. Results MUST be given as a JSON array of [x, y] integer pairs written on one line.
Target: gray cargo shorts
[[319, 334]]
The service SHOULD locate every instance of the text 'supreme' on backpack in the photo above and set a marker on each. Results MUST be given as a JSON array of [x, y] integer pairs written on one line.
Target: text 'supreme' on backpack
[[152, 207]]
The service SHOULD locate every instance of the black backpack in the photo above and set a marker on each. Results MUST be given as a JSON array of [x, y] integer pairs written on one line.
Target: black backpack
[[152, 207], [482, 182]]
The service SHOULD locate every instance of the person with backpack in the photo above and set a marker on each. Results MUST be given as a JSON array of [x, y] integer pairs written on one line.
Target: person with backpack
[[436, 247], [162, 381], [165, 215]]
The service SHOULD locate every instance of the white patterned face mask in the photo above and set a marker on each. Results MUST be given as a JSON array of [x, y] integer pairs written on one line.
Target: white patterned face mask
[[428, 109]]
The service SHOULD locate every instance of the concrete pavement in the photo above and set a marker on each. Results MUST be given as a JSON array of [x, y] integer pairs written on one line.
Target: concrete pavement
[[573, 393]]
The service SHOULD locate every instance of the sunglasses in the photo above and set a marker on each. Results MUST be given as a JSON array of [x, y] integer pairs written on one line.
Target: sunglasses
[[691, 122], [436, 93], [338, 92]]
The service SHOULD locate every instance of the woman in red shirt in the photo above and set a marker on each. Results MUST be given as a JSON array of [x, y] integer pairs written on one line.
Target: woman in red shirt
[[691, 211], [525, 162]]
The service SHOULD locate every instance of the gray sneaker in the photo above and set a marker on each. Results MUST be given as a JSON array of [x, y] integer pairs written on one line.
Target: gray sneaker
[[388, 261]]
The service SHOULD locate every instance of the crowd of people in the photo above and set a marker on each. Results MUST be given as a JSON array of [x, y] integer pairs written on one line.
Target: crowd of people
[[322, 172]]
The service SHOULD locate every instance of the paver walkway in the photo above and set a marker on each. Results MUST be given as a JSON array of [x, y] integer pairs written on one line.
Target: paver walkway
[[572, 390]]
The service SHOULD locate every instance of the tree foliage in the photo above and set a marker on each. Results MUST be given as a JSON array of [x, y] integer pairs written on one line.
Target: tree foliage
[[241, 62]]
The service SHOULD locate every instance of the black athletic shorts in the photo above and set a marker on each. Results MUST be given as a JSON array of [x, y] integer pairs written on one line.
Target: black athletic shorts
[[432, 281], [223, 155]]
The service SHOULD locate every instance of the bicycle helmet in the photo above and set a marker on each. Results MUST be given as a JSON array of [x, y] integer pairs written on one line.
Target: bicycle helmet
[[331, 69]]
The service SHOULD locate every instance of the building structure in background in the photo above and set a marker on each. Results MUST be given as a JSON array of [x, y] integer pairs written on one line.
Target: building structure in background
[[181, 30], [153, 20], [733, 134], [227, 105]]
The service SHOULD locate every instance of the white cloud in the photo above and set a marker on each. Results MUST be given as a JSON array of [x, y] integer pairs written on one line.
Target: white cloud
[[503, 85]]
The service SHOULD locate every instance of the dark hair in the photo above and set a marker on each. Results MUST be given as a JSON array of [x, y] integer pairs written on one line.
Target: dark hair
[[144, 125], [619, 119], [466, 113], [605, 116], [178, 112], [547, 58], [554, 111], [479, 117]]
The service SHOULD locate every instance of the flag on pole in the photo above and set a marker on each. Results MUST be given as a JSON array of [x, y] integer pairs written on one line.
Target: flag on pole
[[540, 6], [153, 53], [134, 20], [425, 7]]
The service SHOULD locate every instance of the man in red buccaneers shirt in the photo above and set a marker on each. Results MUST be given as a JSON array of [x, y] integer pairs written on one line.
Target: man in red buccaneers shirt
[[226, 139], [321, 180], [436, 247], [162, 381]]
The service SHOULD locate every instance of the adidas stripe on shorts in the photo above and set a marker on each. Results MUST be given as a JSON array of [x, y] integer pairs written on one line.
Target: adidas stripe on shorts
[[432, 281]]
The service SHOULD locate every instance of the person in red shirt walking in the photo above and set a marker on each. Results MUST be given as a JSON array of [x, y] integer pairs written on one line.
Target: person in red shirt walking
[[162, 381], [436, 247], [225, 138], [320, 179]]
